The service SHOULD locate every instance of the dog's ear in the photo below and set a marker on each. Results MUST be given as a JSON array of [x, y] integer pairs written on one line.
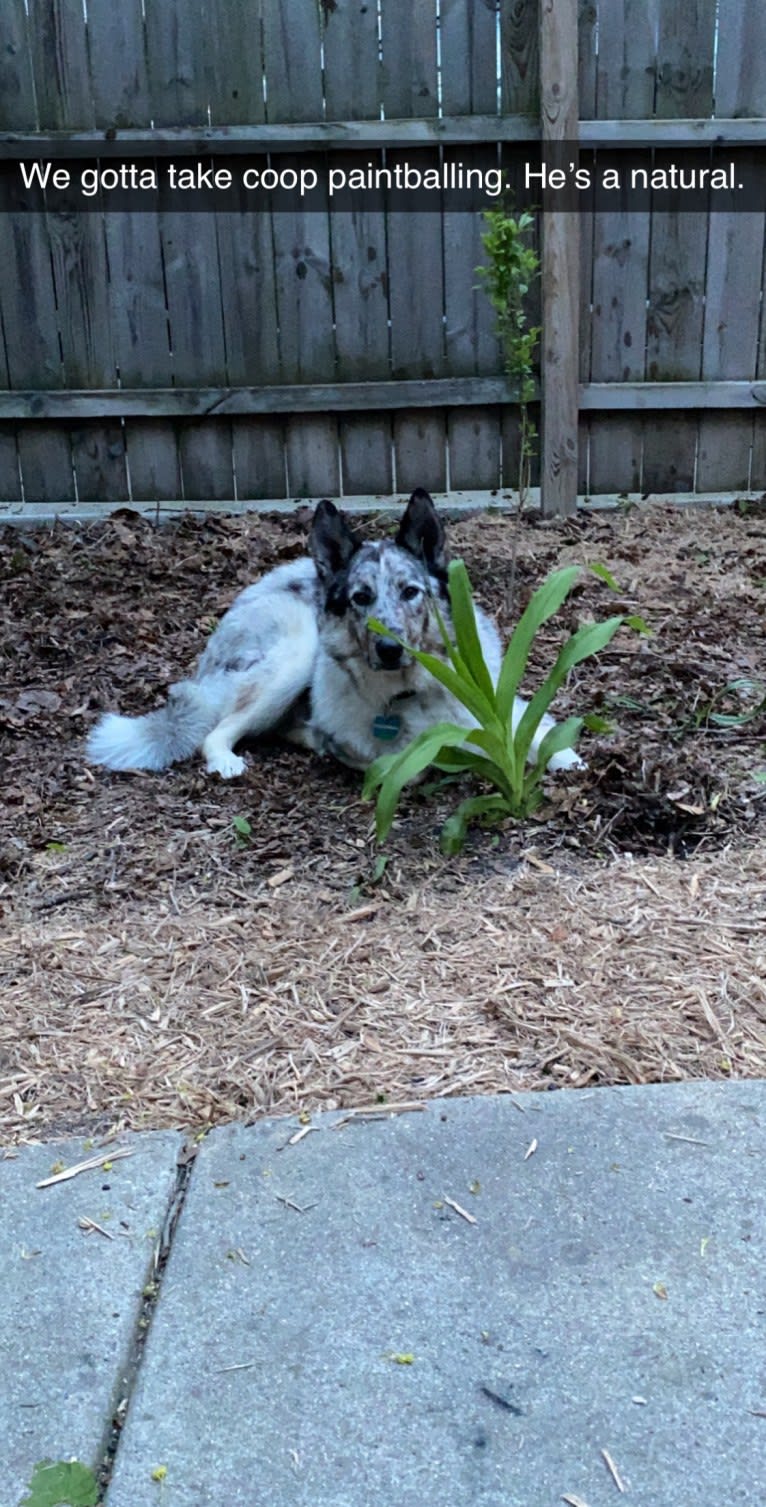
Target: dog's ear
[[332, 542], [421, 531]]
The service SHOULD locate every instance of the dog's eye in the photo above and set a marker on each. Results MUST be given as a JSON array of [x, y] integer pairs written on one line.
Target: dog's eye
[[362, 597], [409, 593]]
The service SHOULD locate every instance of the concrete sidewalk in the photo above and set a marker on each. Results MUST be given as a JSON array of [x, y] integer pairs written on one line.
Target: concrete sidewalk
[[331, 1331]]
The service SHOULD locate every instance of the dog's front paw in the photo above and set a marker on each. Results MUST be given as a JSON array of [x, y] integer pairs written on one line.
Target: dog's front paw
[[566, 759], [227, 764]]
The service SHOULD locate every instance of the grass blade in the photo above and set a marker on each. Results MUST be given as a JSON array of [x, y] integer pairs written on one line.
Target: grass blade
[[466, 629], [454, 830], [545, 602]]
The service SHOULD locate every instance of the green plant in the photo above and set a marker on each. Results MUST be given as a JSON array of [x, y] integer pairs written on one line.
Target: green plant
[[495, 750], [61, 1483], [512, 267]]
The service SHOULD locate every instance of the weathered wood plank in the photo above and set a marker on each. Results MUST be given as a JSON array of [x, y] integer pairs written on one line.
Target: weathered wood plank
[[18, 111], [420, 451], [360, 291], [520, 56], [259, 457], [234, 61], [352, 80], [313, 460], [364, 134], [474, 449], [350, 396], [723, 452], [98, 456], [471, 345], [416, 289], [685, 43], [730, 336], [303, 281], [560, 268], [118, 64], [614, 454], [60, 61], [758, 458], [740, 85], [153, 460], [588, 30], [627, 61], [408, 73], [45, 457], [292, 60], [468, 57], [176, 48], [207, 468], [195, 316], [78, 257], [10, 473], [366, 454], [138, 311], [618, 337], [669, 453], [248, 297]]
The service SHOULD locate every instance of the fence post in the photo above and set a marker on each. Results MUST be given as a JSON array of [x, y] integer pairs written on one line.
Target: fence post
[[560, 267]]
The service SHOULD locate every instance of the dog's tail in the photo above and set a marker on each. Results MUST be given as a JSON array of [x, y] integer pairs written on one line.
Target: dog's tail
[[158, 739]]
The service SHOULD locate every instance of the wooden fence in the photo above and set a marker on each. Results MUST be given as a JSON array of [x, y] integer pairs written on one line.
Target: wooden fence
[[186, 358]]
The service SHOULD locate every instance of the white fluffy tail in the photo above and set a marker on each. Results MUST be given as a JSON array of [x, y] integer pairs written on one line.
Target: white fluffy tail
[[156, 740]]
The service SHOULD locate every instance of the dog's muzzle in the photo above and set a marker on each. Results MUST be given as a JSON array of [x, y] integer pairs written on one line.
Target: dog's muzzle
[[387, 654]]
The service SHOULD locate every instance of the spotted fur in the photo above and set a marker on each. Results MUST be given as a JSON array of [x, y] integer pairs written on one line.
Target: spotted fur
[[295, 654]]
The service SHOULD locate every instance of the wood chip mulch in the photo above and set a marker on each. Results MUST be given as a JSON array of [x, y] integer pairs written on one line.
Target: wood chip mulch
[[157, 967]]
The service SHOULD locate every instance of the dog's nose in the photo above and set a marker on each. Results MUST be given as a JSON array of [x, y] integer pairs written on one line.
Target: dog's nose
[[389, 653]]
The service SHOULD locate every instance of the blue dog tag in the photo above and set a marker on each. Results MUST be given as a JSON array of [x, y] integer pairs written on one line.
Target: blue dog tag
[[386, 728]]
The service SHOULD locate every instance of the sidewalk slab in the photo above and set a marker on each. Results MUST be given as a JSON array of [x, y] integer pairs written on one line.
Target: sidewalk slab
[[69, 1301], [610, 1296]]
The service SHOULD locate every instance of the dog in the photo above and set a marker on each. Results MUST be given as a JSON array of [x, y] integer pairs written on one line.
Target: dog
[[295, 655]]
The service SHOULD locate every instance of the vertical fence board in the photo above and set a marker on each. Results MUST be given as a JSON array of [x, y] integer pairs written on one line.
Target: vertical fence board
[[18, 111], [303, 278], [758, 460], [723, 457], [176, 48], [234, 61], [207, 468], [153, 460], [259, 457], [474, 448], [248, 298], [678, 255], [352, 82], [614, 463], [313, 460], [118, 64], [510, 437], [98, 456], [360, 289], [138, 310], [366, 454], [468, 57], [560, 268], [60, 62], [740, 84], [292, 56], [471, 343], [416, 288], [520, 56], [45, 457], [10, 473], [420, 450], [627, 60], [409, 74]]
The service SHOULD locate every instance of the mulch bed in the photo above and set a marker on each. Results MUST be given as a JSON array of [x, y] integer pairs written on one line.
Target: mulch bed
[[157, 967]]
